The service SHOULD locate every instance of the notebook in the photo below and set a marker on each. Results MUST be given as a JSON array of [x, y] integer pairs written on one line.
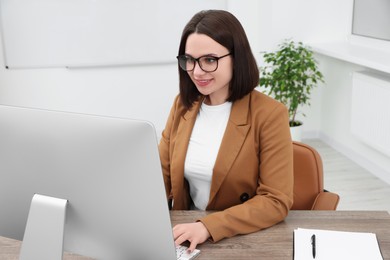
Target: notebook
[[328, 244]]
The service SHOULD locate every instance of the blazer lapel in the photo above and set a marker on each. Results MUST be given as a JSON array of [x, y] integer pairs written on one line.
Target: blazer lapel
[[234, 137], [180, 150]]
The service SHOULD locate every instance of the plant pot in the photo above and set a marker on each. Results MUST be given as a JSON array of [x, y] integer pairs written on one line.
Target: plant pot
[[296, 133]]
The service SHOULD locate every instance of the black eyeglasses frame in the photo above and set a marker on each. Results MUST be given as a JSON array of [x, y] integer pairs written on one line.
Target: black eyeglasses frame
[[198, 59]]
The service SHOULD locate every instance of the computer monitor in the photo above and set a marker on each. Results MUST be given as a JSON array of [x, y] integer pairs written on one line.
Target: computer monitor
[[108, 169]]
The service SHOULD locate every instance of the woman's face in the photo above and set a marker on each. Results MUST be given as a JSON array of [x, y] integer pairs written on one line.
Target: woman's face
[[214, 85]]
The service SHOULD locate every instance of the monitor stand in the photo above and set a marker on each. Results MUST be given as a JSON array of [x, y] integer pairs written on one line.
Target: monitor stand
[[44, 233]]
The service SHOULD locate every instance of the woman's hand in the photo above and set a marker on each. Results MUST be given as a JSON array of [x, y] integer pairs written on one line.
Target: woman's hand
[[196, 233]]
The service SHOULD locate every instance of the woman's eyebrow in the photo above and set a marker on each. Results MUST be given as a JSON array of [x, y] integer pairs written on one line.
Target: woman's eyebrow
[[208, 54]]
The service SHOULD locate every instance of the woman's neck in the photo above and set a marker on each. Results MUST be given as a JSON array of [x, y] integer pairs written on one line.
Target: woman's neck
[[213, 102]]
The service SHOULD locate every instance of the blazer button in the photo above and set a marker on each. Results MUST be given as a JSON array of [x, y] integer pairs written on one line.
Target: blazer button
[[244, 197]]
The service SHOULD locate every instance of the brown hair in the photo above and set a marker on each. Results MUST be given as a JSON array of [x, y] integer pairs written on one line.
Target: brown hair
[[224, 28]]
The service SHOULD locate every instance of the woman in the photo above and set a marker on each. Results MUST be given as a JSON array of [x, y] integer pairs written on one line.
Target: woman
[[226, 146]]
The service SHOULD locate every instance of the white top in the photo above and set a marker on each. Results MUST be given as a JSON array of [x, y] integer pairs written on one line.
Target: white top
[[202, 150]]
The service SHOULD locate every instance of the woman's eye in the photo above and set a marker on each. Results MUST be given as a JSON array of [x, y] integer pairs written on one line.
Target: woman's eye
[[210, 59]]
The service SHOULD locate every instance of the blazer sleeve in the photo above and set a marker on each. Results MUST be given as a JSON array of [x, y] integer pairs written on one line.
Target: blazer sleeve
[[274, 192]]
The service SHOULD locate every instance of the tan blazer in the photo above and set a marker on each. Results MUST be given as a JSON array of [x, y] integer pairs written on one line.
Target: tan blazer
[[252, 182]]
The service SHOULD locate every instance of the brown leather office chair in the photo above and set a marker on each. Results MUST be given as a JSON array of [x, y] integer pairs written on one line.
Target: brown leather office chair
[[309, 193]]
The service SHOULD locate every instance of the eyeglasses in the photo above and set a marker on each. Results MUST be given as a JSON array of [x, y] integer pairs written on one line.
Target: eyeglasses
[[207, 63]]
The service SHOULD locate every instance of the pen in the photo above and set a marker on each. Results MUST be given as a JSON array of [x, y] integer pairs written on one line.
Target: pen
[[313, 245]]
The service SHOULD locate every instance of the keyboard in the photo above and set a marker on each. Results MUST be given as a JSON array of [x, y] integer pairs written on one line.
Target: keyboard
[[182, 254]]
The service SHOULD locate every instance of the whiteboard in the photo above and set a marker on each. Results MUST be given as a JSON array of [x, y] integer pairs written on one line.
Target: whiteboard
[[82, 33]]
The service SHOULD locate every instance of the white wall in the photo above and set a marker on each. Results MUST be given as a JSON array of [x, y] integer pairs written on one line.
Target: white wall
[[136, 92], [143, 92], [147, 92], [336, 118]]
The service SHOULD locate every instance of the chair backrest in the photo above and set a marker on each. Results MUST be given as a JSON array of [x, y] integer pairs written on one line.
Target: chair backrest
[[308, 176]]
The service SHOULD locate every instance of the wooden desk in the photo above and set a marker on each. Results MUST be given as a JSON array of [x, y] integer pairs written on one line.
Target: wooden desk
[[277, 242], [272, 243]]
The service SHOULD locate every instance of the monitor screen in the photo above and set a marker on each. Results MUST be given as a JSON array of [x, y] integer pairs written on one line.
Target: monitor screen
[[371, 18], [108, 169]]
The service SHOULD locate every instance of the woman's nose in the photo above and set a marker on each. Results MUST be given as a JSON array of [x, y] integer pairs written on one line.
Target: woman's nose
[[197, 69]]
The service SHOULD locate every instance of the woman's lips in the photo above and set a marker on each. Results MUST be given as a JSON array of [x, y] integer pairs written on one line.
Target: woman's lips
[[203, 82]]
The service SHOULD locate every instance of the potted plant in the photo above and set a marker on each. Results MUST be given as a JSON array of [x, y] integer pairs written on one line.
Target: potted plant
[[289, 75]]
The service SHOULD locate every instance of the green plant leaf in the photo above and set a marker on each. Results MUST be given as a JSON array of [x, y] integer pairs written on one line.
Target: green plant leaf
[[290, 74]]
